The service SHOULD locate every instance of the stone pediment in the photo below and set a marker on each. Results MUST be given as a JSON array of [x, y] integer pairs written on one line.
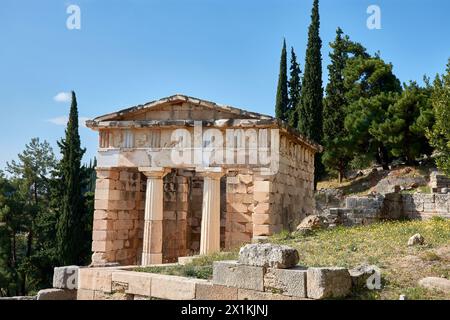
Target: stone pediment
[[180, 107]]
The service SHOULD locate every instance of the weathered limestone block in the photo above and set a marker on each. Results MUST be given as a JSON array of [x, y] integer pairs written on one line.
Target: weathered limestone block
[[96, 278], [435, 283], [85, 294], [322, 283], [65, 277], [135, 282], [268, 255], [361, 274], [173, 287], [210, 291], [290, 282], [233, 274], [57, 294], [107, 173]]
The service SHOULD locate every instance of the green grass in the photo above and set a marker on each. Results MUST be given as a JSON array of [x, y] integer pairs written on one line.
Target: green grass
[[421, 189], [200, 268], [383, 244]]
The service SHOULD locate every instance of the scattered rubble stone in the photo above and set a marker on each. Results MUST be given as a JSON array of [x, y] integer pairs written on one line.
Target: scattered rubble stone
[[268, 255], [416, 239]]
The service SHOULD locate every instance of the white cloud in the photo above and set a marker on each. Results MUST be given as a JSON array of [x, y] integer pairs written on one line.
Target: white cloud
[[63, 97], [62, 121], [59, 121]]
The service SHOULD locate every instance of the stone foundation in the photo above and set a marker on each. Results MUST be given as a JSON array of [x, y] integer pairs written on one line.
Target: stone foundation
[[392, 206]]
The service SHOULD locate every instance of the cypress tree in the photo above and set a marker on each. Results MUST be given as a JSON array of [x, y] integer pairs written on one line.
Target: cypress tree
[[310, 107], [70, 231], [295, 88], [282, 100], [336, 156]]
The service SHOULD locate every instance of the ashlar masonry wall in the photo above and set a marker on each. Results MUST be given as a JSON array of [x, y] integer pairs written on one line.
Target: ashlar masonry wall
[[118, 216], [284, 199]]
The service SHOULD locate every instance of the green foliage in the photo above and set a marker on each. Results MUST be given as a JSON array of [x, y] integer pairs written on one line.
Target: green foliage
[[371, 88], [310, 108], [295, 88], [406, 121], [282, 100], [439, 134], [70, 230], [337, 153], [23, 203]]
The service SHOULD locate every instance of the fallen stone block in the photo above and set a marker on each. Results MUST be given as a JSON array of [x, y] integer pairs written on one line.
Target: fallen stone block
[[65, 277], [268, 255], [435, 283], [57, 294], [290, 282], [322, 283], [361, 274], [234, 274], [312, 222]]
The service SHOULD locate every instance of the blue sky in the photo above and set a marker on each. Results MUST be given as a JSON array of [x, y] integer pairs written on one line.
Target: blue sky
[[133, 51]]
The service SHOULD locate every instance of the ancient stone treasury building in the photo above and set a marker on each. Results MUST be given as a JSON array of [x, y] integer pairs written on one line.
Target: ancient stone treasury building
[[182, 176]]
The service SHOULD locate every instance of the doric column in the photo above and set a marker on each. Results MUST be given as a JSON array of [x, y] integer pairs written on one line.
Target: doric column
[[153, 223], [210, 228]]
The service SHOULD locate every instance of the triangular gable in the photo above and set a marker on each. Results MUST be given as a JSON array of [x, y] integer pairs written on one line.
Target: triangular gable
[[180, 107]]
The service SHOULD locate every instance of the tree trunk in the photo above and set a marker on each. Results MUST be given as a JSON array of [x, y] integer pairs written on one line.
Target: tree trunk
[[383, 157]]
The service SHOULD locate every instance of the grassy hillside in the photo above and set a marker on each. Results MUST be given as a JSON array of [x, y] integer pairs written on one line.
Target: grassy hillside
[[383, 244]]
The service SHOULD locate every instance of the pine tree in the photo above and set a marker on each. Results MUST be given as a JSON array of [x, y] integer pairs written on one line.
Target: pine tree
[[70, 230], [295, 88], [407, 119], [336, 155], [371, 87], [282, 100], [439, 135], [310, 107]]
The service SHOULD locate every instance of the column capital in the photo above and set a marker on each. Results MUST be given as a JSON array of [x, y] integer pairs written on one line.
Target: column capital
[[210, 172], [154, 172]]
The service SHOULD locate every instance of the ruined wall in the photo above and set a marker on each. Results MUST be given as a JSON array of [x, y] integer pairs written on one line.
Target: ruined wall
[[392, 206], [118, 216], [439, 181], [424, 206]]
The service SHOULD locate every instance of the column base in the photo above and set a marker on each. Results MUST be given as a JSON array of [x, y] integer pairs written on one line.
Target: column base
[[151, 258]]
